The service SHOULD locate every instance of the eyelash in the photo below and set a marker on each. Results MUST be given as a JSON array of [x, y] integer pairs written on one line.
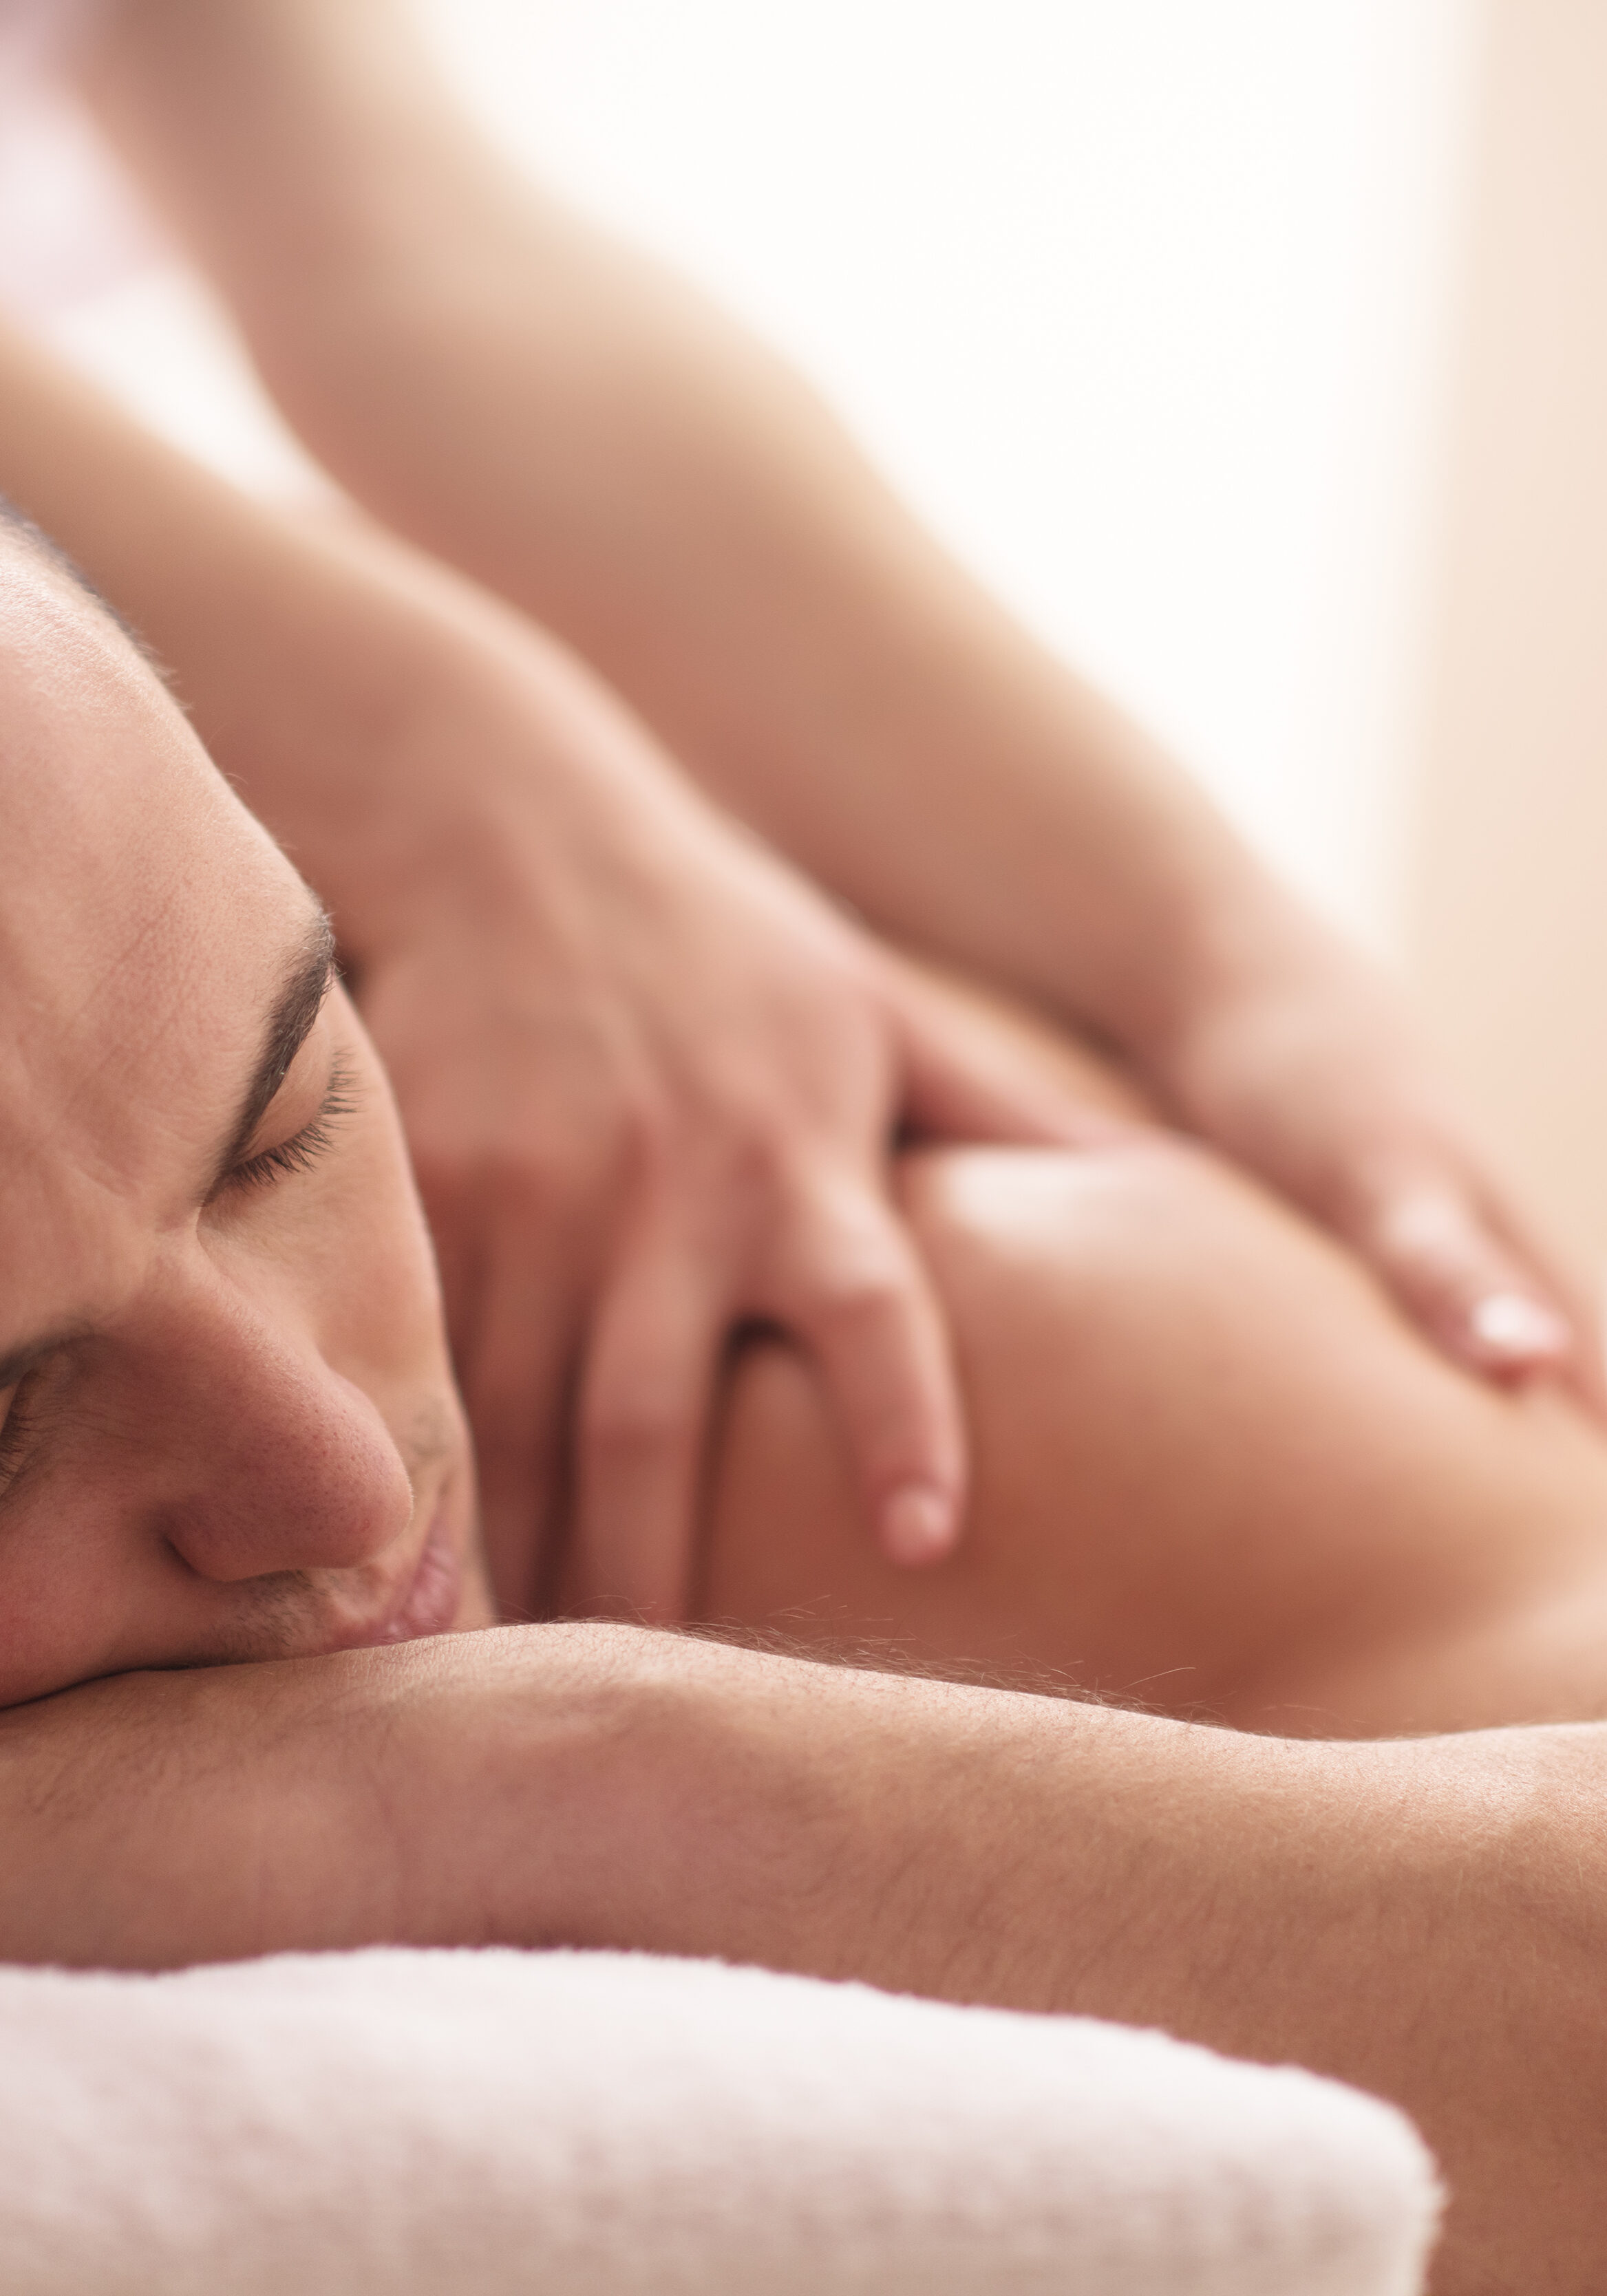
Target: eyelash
[[303, 1149], [14, 1436]]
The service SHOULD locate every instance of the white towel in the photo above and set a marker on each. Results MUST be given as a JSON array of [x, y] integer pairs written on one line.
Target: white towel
[[474, 2124]]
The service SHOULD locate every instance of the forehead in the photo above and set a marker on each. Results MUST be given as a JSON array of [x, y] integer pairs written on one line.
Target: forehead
[[145, 924]]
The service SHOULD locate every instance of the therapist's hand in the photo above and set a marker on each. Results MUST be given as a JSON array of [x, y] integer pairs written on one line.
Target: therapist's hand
[[650, 1081], [570, 424], [1300, 1062]]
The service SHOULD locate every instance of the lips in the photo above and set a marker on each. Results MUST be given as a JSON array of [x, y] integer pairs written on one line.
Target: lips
[[431, 1602]]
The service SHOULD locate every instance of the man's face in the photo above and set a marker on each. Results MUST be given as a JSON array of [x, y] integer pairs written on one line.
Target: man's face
[[227, 1425]]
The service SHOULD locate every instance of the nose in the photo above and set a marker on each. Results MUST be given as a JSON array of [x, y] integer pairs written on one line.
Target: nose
[[272, 1460]]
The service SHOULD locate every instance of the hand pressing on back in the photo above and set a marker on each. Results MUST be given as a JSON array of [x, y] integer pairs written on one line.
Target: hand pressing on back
[[1299, 1060], [652, 1081], [651, 1077]]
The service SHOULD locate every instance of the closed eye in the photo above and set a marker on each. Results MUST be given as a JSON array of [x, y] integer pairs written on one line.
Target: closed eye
[[16, 1427], [20, 1420], [303, 1149]]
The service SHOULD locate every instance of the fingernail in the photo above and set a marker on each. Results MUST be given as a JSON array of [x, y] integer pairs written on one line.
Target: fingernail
[[917, 1524], [1513, 1329]]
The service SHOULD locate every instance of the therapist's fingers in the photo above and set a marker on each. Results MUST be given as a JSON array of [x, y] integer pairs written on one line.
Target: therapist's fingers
[[837, 1274], [515, 1370], [1308, 1071], [858, 1297], [1483, 1289], [513, 1286], [646, 1395]]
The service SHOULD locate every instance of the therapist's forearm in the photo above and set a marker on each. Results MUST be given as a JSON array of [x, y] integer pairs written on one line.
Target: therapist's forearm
[[407, 738], [308, 675], [575, 428]]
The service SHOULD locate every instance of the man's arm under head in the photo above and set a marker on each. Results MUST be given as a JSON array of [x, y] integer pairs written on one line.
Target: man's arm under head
[[1427, 1918]]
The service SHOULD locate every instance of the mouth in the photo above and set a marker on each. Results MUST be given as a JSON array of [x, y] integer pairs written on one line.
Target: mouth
[[431, 1601], [313, 1614], [426, 1602]]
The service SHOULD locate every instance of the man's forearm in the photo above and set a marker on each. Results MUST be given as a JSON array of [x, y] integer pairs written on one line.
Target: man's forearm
[[603, 1785], [574, 428], [478, 1788], [1428, 1920]]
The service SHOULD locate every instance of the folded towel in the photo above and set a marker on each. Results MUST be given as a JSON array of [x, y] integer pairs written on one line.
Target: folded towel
[[474, 2124]]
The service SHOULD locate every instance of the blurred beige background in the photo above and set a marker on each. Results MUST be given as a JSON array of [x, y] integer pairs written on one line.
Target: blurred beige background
[[1503, 926], [1256, 352]]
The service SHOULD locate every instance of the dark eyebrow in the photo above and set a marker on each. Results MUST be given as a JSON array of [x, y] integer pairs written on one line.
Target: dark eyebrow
[[300, 1002]]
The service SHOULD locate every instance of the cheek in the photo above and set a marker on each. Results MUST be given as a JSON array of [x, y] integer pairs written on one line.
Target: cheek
[[85, 1588], [365, 1266], [65, 1599]]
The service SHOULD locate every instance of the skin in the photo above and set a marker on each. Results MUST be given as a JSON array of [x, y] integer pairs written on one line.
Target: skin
[[1215, 1473], [678, 1120], [231, 1428], [649, 1074], [227, 1431]]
